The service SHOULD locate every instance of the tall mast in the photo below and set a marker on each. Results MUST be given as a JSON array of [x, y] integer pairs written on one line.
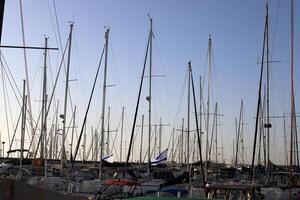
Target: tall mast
[[63, 152], [268, 125], [23, 126], [141, 144], [263, 129], [121, 141], [188, 120], [26, 75], [103, 103], [242, 135], [197, 127], [44, 104], [236, 138], [293, 117], [200, 110], [258, 105], [149, 97], [208, 96], [216, 124]]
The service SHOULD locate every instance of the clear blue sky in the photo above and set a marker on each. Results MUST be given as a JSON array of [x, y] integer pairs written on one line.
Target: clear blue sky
[[181, 31]]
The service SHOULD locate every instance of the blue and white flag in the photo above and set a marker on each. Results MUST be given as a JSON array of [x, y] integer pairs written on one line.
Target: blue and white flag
[[161, 158], [108, 158]]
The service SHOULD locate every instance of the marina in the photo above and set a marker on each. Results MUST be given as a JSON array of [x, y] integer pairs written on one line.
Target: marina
[[112, 101]]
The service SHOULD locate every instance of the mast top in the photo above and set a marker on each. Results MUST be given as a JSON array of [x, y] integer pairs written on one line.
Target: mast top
[[190, 65], [107, 31], [107, 28], [150, 18]]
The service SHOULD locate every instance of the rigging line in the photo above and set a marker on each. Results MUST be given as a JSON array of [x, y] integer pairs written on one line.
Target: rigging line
[[27, 117], [175, 152], [205, 70], [66, 138], [117, 157], [138, 100], [5, 98], [212, 134], [134, 143], [114, 140], [181, 97], [51, 129], [113, 143], [105, 123], [50, 69], [171, 136], [69, 125], [258, 104], [87, 110], [121, 95], [90, 147], [9, 74], [218, 98], [153, 151], [78, 71], [69, 92], [165, 82], [60, 43], [51, 97], [11, 142], [57, 26], [52, 22], [33, 136], [98, 124], [197, 128], [161, 106], [275, 29], [146, 152], [10, 110], [35, 74], [26, 67], [116, 70], [52, 82], [136, 134], [56, 37]]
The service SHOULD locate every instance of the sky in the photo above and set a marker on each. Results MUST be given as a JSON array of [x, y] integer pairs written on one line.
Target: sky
[[181, 31]]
